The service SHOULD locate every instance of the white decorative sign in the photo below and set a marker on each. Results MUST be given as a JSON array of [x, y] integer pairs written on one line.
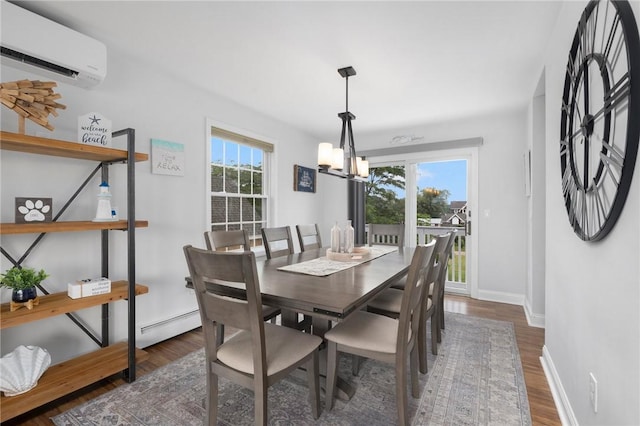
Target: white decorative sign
[[167, 158], [94, 129]]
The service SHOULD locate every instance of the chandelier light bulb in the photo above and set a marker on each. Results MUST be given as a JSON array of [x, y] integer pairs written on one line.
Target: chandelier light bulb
[[325, 154]]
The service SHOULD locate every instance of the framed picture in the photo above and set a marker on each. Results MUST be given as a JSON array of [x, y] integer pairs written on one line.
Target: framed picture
[[304, 179], [167, 158]]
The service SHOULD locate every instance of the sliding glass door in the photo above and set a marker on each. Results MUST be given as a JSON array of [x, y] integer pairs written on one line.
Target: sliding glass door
[[432, 195]]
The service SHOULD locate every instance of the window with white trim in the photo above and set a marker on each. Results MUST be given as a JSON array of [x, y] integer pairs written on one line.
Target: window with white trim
[[238, 169]]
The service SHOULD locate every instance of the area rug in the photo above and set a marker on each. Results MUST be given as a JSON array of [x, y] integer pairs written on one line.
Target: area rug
[[476, 379]]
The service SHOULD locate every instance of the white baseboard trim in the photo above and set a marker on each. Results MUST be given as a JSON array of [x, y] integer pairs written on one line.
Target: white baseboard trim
[[565, 412], [501, 297], [534, 320], [152, 333]]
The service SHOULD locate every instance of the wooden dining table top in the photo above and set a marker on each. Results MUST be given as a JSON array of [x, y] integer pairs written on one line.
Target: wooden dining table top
[[333, 296]]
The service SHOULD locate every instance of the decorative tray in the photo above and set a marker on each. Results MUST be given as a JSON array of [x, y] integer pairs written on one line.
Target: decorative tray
[[358, 254]]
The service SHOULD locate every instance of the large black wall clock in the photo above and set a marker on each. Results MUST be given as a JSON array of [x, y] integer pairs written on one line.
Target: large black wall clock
[[600, 119]]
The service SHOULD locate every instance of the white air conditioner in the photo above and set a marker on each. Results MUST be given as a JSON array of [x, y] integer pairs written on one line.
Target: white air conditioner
[[32, 43]]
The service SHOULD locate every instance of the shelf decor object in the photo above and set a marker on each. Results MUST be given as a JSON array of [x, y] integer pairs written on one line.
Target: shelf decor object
[[21, 369], [23, 282], [32, 99], [599, 126], [33, 209], [94, 129], [331, 160], [104, 213]]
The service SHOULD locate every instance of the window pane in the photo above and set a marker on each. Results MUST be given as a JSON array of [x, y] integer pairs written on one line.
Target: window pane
[[217, 179], [257, 159], [250, 230], [247, 209], [218, 210], [234, 209], [233, 226], [219, 227], [231, 180], [245, 182], [257, 183], [245, 156], [231, 154], [216, 150], [258, 210]]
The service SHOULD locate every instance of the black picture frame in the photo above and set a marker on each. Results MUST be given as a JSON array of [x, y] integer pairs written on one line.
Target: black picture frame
[[304, 179]]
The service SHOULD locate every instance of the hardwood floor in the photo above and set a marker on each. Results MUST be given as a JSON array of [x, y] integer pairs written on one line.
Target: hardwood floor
[[530, 341]]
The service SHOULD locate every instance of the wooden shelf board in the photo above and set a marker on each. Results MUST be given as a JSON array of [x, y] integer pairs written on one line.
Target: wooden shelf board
[[69, 376], [65, 226], [60, 303], [59, 148]]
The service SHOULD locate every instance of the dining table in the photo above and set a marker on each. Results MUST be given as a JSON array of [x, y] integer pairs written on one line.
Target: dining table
[[327, 290]]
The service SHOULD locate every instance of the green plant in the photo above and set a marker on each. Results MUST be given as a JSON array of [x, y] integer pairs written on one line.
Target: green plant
[[22, 278]]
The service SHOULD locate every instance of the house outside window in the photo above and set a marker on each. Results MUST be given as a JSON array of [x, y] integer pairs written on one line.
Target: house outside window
[[238, 169]]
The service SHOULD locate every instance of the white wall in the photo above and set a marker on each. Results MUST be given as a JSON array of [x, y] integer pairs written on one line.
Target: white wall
[[157, 106], [592, 289]]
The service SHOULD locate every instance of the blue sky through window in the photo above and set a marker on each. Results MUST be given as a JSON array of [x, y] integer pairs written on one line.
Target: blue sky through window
[[449, 175]]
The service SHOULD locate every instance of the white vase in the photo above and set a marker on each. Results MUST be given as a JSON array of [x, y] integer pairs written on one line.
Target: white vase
[[348, 238], [335, 238]]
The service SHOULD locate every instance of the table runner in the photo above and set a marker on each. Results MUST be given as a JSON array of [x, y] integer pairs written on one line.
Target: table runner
[[323, 266]]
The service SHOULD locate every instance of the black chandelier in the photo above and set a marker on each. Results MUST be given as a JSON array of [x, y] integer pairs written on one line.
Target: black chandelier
[[331, 160]]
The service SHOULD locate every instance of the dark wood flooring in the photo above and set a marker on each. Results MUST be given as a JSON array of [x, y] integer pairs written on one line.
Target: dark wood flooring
[[530, 342]]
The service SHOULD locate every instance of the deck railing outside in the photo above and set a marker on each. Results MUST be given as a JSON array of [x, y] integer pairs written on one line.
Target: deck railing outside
[[457, 270]]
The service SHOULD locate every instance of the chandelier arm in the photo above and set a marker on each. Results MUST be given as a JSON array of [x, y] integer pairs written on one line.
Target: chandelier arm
[[344, 127], [353, 164]]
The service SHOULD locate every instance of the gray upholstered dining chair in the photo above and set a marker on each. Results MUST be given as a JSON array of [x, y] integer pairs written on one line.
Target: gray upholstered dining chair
[[233, 240], [383, 338], [386, 234], [278, 242], [259, 354], [309, 236], [389, 301]]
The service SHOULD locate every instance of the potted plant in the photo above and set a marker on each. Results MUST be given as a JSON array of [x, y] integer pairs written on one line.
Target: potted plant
[[23, 282]]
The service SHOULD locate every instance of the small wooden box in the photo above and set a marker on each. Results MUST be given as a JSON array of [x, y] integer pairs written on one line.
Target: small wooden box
[[34, 209]]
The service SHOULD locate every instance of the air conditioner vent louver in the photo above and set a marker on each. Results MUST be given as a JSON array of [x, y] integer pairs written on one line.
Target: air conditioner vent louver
[[37, 62]]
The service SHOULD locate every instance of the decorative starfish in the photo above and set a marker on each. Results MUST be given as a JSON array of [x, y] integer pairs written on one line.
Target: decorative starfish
[[94, 120]]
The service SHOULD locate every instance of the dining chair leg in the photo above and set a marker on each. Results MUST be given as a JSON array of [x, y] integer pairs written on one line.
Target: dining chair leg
[[422, 345], [314, 384], [413, 371], [212, 399], [435, 330], [260, 402], [401, 392], [332, 363]]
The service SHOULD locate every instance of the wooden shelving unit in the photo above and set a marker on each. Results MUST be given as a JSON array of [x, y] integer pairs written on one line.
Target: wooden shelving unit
[[108, 360]]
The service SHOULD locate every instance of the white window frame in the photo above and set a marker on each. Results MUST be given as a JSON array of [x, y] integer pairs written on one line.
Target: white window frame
[[243, 137]]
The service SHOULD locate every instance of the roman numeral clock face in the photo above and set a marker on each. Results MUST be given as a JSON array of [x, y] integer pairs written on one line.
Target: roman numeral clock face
[[600, 119]]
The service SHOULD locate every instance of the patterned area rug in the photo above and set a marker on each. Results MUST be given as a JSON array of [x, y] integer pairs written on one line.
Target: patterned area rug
[[476, 379]]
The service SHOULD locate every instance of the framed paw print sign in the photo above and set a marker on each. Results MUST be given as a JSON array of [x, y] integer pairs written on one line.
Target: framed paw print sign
[[33, 209]]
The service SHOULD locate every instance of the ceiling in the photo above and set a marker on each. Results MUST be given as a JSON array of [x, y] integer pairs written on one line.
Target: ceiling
[[417, 62]]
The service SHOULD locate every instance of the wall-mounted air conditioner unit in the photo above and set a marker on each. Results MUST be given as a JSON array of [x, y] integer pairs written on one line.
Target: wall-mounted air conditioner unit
[[33, 43]]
